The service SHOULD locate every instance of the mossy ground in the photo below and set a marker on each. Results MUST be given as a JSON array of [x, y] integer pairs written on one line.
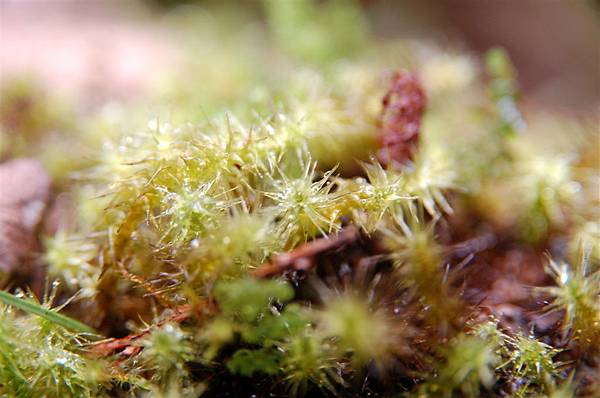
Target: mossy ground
[[251, 241]]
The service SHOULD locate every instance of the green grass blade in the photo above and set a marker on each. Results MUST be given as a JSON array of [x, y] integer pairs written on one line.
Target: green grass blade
[[52, 316]]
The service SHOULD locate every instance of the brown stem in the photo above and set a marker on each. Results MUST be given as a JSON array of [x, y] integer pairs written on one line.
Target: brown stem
[[301, 258], [109, 346]]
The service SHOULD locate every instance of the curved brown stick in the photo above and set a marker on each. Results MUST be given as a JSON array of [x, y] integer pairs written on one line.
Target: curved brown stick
[[125, 344], [301, 257]]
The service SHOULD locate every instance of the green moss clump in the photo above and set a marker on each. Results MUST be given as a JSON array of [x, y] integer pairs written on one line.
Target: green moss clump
[[171, 220]]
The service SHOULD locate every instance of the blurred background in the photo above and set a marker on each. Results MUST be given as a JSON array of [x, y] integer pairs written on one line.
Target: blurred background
[[98, 50]]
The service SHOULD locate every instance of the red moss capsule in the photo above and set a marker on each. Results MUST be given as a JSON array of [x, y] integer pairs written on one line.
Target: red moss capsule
[[403, 107]]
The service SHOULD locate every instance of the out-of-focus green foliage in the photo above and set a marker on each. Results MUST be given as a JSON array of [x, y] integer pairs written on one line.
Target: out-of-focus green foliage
[[317, 33], [504, 90], [468, 369]]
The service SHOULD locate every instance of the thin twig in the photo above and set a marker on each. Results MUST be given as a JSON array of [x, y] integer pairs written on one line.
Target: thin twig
[[301, 258], [109, 346]]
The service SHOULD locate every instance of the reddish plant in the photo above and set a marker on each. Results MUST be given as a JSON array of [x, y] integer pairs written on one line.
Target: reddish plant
[[403, 107]]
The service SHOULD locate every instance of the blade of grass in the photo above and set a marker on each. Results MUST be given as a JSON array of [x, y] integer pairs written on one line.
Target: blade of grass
[[39, 310]]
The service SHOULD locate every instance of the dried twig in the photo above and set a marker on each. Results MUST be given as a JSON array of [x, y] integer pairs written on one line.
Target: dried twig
[[126, 344], [301, 258]]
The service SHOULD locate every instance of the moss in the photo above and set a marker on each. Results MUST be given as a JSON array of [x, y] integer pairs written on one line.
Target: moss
[[174, 217]]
